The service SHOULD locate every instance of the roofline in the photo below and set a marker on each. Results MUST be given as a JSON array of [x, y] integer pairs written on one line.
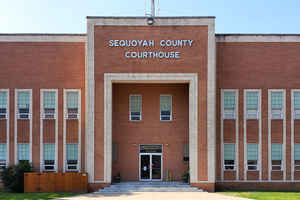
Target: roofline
[[42, 34], [44, 37], [144, 17], [257, 34], [269, 37]]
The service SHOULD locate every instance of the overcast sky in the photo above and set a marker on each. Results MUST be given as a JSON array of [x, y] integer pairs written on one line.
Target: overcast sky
[[69, 16]]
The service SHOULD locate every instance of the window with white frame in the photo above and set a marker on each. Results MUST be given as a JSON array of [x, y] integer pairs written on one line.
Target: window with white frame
[[49, 98], [2, 156], [229, 104], [252, 104], [72, 157], [297, 105], [3, 105], [252, 157], [135, 107], [229, 156], [165, 107], [276, 105], [23, 104], [276, 156], [49, 156], [72, 105], [23, 152], [297, 157]]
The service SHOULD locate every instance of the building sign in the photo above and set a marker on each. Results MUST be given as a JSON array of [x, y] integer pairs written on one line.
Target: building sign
[[159, 54]]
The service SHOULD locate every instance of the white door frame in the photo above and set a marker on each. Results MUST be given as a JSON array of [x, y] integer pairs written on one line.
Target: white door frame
[[161, 166]]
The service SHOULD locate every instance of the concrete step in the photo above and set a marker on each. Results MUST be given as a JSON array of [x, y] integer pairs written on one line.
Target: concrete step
[[129, 187]]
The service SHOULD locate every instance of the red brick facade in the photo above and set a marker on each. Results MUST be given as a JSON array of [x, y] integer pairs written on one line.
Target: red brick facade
[[241, 63]]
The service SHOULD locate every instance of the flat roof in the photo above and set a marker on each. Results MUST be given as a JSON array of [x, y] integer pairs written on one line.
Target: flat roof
[[144, 17]]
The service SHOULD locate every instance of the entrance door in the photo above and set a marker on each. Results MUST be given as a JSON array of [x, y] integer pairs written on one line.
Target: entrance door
[[150, 166]]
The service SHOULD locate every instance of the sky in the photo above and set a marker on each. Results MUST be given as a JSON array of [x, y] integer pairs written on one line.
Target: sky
[[69, 16]]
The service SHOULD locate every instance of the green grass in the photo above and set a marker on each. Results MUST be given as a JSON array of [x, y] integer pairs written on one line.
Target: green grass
[[33, 196], [264, 195]]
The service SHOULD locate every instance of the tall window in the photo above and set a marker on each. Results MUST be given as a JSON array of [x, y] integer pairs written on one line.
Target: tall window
[[276, 156], [297, 157], [186, 152], [277, 105], [23, 152], [23, 104], [229, 156], [252, 156], [2, 156], [135, 107], [252, 104], [49, 104], [72, 105], [229, 103], [49, 157], [296, 105], [165, 107], [72, 157], [3, 105]]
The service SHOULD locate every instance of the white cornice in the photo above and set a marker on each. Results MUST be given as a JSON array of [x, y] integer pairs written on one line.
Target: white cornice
[[42, 38], [258, 38]]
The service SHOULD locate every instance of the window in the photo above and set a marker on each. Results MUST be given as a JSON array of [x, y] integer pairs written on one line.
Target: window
[[229, 103], [252, 156], [23, 104], [296, 105], [72, 105], [72, 157], [276, 156], [23, 152], [2, 156], [115, 152], [165, 107], [276, 105], [3, 105], [135, 107], [186, 152], [49, 104], [229, 156], [252, 109], [49, 157], [297, 157]]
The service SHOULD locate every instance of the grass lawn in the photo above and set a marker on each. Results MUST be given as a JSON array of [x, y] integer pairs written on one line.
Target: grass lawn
[[34, 196], [261, 195]]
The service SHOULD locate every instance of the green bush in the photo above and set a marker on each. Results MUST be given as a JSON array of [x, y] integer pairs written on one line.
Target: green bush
[[13, 176]]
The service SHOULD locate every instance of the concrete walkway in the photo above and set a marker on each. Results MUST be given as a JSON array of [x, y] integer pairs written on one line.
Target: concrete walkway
[[155, 196]]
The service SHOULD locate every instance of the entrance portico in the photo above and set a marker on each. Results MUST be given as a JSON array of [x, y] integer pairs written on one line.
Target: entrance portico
[[195, 68]]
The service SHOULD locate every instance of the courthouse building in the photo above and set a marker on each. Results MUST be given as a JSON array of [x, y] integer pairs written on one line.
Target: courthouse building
[[153, 98]]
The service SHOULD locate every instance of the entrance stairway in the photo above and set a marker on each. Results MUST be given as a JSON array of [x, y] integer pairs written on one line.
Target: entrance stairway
[[129, 187]]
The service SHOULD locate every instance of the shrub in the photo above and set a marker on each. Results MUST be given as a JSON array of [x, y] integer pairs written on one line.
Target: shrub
[[13, 176]]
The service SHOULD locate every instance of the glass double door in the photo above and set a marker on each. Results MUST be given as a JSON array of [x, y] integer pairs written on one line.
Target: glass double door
[[150, 166]]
